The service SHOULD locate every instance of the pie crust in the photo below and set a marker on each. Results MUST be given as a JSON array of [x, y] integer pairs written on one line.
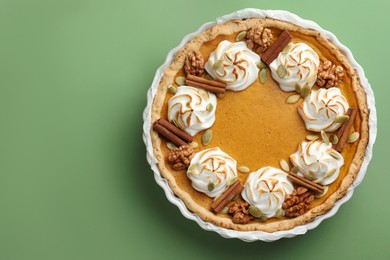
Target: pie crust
[[200, 203]]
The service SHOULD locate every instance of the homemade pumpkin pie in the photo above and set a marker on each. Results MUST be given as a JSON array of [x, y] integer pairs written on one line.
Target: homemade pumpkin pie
[[259, 124]]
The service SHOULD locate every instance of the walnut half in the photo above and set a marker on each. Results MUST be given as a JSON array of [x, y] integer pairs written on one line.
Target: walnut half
[[329, 75], [180, 157]]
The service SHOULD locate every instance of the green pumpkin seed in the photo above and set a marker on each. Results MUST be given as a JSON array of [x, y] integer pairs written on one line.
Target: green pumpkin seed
[[333, 139], [206, 137], [292, 99], [294, 169], [309, 176], [240, 36], [261, 219], [284, 165], [320, 195], [243, 169], [170, 145], [209, 107], [220, 95], [255, 212], [281, 71], [353, 137], [325, 137], [231, 181], [287, 48], [194, 144], [335, 154], [261, 65], [305, 91], [192, 168], [330, 173], [225, 210], [210, 186], [181, 81], [312, 137], [218, 64], [263, 76], [341, 119], [172, 89], [298, 88], [279, 213]]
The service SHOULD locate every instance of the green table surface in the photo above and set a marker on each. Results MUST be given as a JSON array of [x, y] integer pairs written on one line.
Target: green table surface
[[74, 180]]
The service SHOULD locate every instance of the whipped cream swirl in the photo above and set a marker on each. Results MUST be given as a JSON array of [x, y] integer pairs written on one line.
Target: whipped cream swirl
[[301, 63], [317, 161], [321, 107], [192, 109], [211, 168], [266, 189], [236, 65]]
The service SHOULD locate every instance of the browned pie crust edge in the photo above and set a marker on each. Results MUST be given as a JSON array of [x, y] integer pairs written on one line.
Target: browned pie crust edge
[[234, 26]]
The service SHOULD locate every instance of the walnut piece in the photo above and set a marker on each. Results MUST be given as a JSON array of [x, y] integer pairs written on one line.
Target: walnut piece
[[240, 212], [180, 157], [298, 202], [258, 39], [194, 64], [329, 75]]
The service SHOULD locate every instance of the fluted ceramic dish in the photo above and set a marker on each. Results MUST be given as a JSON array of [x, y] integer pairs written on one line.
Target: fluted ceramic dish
[[260, 235]]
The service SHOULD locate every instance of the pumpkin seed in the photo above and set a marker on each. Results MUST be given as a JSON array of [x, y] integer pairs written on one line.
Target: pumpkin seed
[[284, 165], [262, 219], [263, 76], [206, 137], [209, 107], [294, 169], [210, 186], [218, 64], [203, 93], [261, 65], [309, 176], [172, 89], [240, 36], [170, 145], [341, 119], [287, 48], [325, 137], [181, 81], [333, 139], [255, 212], [279, 213], [330, 173], [194, 145], [192, 168], [225, 210], [231, 181], [312, 137], [353, 137], [292, 99], [320, 195], [305, 91], [334, 154], [281, 71], [243, 169], [220, 95], [298, 88]]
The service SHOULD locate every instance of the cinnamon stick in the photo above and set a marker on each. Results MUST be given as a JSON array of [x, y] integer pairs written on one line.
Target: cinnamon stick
[[343, 132], [273, 51], [205, 87], [305, 183], [226, 197], [206, 81], [175, 130], [168, 134]]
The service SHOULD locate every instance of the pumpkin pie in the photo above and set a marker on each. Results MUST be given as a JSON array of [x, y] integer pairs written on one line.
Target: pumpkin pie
[[259, 125]]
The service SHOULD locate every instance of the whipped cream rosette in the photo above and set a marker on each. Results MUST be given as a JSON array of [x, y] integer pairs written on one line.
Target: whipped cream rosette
[[211, 170], [301, 63], [321, 107], [266, 189], [317, 161], [192, 109], [233, 64]]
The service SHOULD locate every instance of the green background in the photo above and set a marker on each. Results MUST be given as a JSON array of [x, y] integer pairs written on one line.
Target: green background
[[74, 181]]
